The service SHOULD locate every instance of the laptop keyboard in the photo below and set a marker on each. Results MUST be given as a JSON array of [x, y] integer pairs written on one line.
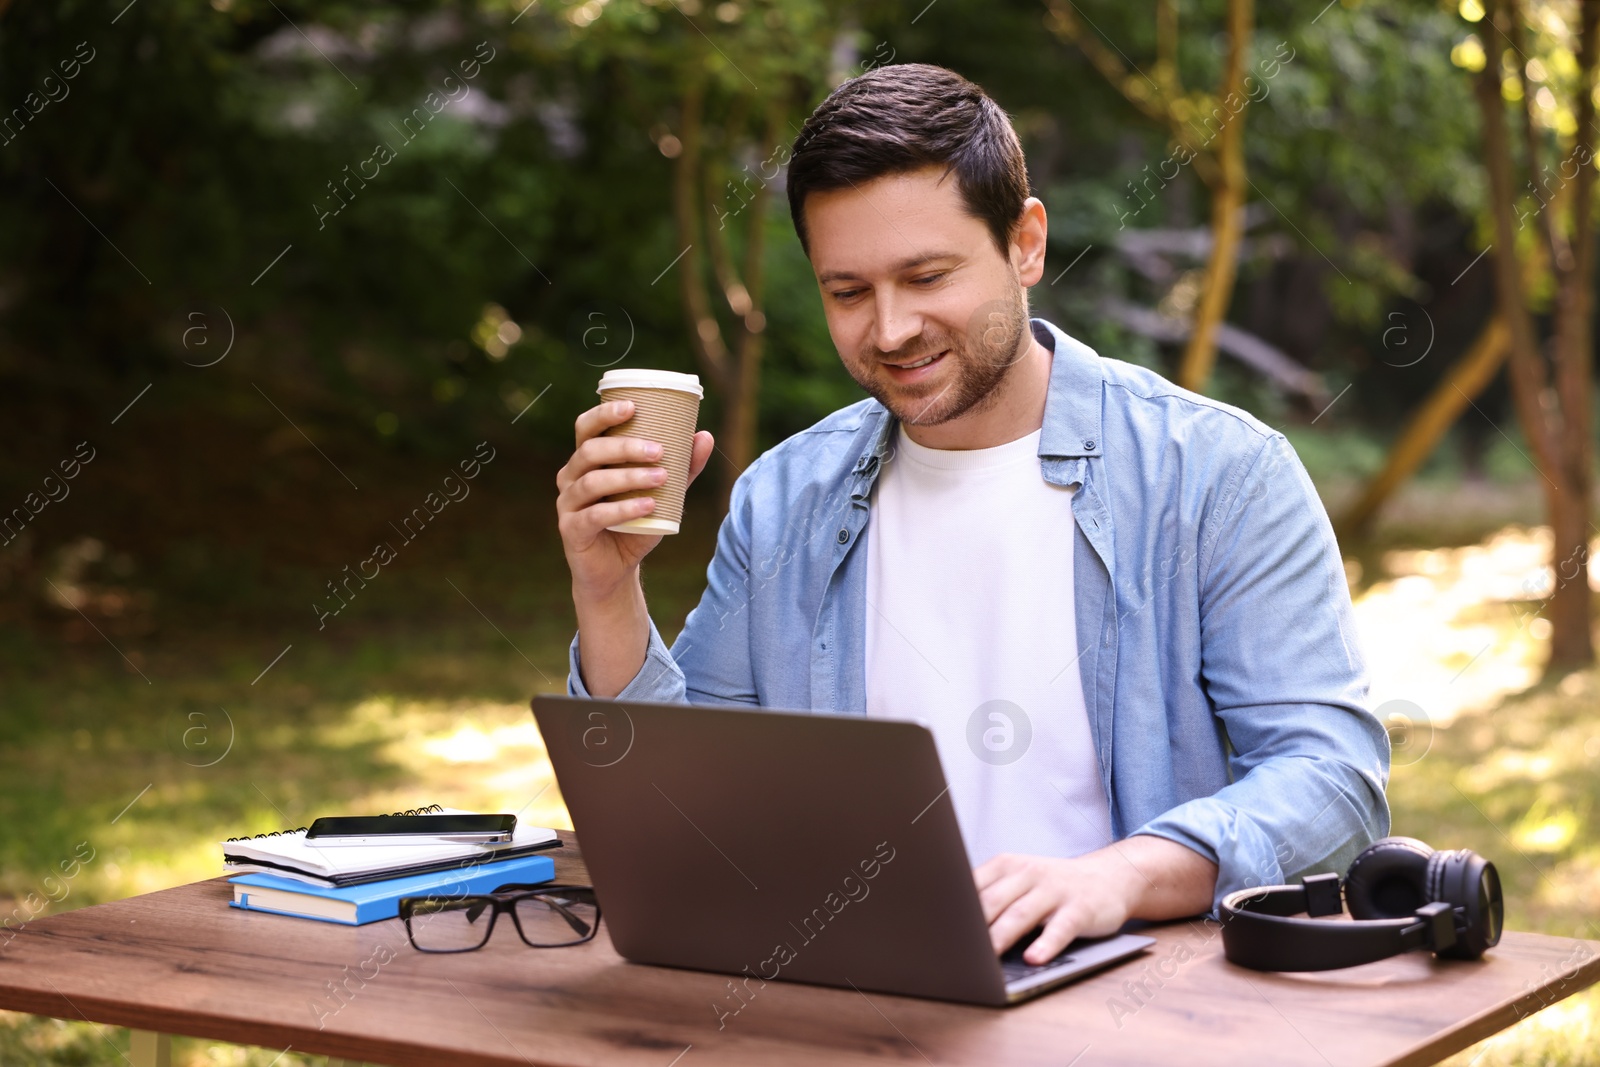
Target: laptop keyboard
[[1014, 968]]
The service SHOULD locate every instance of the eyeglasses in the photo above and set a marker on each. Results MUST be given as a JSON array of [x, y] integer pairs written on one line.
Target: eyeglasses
[[546, 916]]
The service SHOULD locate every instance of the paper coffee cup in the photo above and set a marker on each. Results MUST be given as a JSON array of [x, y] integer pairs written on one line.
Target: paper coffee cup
[[666, 406]]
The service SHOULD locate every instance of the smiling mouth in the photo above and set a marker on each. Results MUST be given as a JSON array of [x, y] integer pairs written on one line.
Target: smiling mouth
[[919, 363]]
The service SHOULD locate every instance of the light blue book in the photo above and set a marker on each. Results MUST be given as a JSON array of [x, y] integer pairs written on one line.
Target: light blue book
[[356, 905]]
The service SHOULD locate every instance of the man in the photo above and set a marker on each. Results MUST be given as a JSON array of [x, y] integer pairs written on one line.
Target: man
[[1118, 605]]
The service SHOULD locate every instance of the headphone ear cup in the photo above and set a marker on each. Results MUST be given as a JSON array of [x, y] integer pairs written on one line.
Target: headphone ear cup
[[1471, 885], [1390, 879]]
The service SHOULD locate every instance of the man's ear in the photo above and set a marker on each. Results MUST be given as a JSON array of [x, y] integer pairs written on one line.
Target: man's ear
[[1028, 241]]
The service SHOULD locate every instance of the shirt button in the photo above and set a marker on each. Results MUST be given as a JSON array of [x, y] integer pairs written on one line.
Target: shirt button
[[1089, 444], [844, 535]]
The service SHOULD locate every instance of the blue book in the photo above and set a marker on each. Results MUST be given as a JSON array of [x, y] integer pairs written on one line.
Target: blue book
[[358, 904]]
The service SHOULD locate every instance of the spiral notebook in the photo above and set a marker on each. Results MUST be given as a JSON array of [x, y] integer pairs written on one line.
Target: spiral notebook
[[286, 853]]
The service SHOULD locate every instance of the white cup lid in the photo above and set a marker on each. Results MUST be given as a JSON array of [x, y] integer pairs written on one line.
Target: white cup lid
[[643, 378]]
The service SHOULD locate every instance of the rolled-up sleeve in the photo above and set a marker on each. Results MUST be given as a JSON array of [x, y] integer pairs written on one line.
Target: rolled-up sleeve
[[1281, 666], [658, 679], [710, 661]]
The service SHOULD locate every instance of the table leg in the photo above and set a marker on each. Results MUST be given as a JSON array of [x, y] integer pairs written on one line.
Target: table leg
[[150, 1049]]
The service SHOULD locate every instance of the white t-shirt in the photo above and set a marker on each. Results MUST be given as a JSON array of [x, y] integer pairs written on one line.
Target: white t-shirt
[[971, 630]]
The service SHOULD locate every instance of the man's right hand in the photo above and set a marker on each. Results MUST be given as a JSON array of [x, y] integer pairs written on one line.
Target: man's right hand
[[602, 560], [613, 621]]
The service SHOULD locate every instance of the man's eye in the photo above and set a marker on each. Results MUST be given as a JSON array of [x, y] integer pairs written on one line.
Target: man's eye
[[846, 294], [929, 279]]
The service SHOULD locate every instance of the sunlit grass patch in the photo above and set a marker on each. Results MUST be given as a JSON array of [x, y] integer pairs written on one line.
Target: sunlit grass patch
[[35, 1041], [1455, 630], [474, 755]]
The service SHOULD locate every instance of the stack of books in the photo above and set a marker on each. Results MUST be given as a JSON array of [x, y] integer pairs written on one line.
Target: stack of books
[[362, 884]]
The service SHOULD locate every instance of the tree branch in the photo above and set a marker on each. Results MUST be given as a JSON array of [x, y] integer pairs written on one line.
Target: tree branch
[[1142, 92], [1555, 243], [1574, 346], [1227, 203], [1528, 379], [1466, 378], [705, 334], [717, 244], [1166, 69]]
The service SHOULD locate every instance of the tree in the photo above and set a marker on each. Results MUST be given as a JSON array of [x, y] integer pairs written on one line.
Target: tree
[[1162, 98], [1550, 389], [734, 369], [721, 95], [1466, 378]]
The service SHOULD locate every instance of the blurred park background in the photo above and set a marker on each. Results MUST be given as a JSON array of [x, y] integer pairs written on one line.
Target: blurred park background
[[271, 269]]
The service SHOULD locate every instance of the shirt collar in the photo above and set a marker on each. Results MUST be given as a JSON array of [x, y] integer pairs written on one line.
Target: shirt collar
[[1071, 408]]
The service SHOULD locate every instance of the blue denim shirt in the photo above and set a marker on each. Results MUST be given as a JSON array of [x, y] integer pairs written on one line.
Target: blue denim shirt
[[1225, 689]]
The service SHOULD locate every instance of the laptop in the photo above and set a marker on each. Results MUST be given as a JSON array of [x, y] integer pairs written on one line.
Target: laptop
[[786, 846]]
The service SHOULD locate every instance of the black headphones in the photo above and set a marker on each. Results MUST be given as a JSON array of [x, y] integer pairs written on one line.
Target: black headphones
[[1402, 894]]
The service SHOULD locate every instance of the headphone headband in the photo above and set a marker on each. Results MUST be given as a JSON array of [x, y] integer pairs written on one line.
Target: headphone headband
[[1270, 940]]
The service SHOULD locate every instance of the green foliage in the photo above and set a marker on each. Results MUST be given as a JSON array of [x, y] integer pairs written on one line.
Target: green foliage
[[538, 191], [1339, 455], [201, 142], [207, 166], [1369, 115]]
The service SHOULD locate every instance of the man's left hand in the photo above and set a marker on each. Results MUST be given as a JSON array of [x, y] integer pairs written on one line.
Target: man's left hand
[[1140, 877]]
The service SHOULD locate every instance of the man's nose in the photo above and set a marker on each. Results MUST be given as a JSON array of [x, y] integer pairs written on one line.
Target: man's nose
[[895, 324]]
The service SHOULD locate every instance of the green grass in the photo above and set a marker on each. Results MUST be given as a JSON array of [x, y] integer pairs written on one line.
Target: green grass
[[1520, 785], [357, 723]]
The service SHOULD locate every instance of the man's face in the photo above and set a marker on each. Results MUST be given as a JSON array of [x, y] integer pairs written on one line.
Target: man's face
[[906, 273]]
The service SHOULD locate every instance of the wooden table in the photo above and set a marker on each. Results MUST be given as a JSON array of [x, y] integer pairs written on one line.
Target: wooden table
[[181, 961]]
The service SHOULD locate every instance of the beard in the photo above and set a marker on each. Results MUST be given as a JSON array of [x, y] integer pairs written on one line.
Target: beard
[[974, 366]]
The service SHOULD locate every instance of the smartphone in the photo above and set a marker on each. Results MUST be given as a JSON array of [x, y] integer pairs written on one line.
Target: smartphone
[[411, 829]]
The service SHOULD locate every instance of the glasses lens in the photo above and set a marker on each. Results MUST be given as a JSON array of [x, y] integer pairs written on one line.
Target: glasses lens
[[450, 925], [558, 918]]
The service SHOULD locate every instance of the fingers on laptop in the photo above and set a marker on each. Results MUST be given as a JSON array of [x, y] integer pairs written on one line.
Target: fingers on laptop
[[1004, 896], [1021, 893], [999, 882], [1025, 912], [1058, 933]]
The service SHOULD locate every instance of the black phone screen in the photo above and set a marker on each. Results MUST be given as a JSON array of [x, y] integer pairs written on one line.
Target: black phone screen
[[384, 825]]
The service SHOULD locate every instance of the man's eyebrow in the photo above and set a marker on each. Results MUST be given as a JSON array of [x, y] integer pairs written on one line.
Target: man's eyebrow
[[904, 264]]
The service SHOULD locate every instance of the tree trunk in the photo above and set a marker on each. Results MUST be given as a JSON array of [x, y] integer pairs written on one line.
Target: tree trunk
[[705, 335], [1568, 609], [1468, 377], [733, 371], [1571, 637], [742, 394], [1556, 422], [1528, 378], [1227, 218], [1227, 207], [741, 423]]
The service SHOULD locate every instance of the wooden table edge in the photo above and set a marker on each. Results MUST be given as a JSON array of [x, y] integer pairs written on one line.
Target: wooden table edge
[[165, 1023], [1500, 1019], [229, 1029]]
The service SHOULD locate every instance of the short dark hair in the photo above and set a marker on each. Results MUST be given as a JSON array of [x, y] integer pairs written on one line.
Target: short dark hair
[[904, 117]]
